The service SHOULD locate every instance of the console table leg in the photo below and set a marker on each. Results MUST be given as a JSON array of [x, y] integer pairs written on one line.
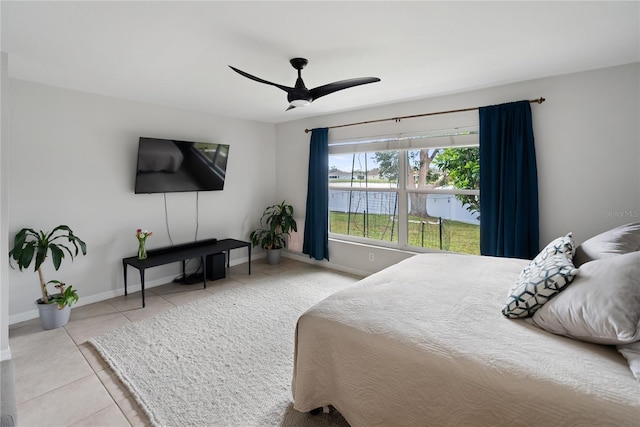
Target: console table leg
[[142, 285], [124, 267], [204, 271]]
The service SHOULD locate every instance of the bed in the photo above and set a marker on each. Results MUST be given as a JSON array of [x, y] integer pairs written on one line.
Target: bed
[[425, 343]]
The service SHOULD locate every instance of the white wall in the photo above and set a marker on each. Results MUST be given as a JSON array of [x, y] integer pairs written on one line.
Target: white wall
[[587, 146], [5, 352], [72, 160]]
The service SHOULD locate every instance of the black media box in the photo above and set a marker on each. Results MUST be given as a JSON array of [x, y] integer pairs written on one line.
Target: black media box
[[216, 266]]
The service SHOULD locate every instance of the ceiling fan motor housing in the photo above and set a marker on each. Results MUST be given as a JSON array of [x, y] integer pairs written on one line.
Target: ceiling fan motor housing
[[298, 63]]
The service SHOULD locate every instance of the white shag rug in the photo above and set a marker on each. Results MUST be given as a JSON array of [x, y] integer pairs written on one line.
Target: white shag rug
[[226, 360]]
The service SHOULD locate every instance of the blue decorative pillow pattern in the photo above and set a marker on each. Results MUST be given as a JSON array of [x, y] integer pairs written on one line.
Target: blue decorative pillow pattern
[[540, 281], [562, 245]]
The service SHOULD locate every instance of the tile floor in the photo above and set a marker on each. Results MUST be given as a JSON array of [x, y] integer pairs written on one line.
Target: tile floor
[[59, 374]]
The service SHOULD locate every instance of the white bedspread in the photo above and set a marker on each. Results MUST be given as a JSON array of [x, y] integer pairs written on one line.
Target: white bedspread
[[423, 343]]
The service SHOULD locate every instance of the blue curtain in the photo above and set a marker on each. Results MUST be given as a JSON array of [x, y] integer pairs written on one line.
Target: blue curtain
[[316, 224], [509, 225]]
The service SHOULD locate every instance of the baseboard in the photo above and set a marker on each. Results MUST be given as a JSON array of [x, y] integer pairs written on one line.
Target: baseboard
[[90, 299], [5, 354], [325, 264], [23, 317]]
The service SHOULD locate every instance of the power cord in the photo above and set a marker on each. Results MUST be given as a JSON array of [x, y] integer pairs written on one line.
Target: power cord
[[166, 218], [195, 239], [189, 279], [198, 275]]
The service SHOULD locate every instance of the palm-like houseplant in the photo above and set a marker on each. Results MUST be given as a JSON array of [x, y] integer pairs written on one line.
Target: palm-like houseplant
[[276, 223], [30, 245]]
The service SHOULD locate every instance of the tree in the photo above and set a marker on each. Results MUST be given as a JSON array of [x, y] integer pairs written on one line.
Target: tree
[[419, 173], [387, 164], [462, 166]]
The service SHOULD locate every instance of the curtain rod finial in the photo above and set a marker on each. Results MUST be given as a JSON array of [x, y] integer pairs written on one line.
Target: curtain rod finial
[[541, 100], [307, 130]]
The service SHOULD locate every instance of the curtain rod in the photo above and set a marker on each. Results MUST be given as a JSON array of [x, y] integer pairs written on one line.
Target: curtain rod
[[397, 119]]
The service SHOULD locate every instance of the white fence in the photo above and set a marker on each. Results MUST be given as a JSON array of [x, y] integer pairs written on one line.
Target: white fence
[[438, 205]]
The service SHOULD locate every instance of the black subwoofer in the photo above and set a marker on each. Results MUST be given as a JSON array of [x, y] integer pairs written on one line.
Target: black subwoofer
[[216, 266]]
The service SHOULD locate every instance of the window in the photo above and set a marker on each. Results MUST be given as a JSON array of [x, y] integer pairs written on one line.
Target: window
[[443, 199], [363, 202], [430, 199]]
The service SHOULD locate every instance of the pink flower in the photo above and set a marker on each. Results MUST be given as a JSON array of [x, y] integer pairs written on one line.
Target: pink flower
[[143, 234]]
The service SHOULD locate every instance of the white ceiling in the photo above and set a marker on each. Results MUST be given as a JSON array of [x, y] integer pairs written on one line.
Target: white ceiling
[[176, 53]]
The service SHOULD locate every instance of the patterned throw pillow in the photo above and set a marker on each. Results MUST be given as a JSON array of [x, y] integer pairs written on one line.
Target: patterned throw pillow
[[538, 283], [561, 245]]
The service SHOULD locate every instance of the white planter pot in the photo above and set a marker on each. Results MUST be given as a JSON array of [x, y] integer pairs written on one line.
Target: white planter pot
[[273, 256], [51, 317]]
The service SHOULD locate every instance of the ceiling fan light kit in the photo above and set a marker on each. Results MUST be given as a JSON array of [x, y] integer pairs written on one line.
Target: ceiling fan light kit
[[300, 102], [299, 95]]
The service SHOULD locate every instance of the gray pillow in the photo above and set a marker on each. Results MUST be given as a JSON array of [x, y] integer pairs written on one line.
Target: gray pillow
[[620, 240], [602, 305]]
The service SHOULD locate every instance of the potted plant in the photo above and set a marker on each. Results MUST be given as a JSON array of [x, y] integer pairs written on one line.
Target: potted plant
[[276, 223], [29, 245]]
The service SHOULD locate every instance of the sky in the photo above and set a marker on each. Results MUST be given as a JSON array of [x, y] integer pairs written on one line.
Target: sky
[[344, 161]]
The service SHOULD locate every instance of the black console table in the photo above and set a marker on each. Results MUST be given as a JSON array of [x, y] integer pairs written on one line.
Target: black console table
[[183, 252]]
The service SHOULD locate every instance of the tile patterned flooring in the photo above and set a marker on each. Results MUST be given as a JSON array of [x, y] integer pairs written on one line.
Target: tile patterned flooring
[[59, 374]]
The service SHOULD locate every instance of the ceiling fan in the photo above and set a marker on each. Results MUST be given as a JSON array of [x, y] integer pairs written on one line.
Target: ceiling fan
[[299, 95]]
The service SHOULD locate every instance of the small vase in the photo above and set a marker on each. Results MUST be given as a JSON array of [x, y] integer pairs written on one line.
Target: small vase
[[142, 249]]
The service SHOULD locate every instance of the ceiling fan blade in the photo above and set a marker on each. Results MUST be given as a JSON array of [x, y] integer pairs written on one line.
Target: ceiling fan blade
[[299, 95], [340, 85], [259, 80]]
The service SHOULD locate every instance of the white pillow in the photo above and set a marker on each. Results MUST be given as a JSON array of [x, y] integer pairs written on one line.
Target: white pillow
[[631, 352], [618, 241], [538, 283], [601, 306], [562, 245]]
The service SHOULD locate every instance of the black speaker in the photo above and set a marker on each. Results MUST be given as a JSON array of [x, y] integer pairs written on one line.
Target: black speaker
[[216, 266]]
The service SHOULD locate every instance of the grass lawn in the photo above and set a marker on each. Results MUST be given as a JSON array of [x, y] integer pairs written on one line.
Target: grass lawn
[[456, 236]]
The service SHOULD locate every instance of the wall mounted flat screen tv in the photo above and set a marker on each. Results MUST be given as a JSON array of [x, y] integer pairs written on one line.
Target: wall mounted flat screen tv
[[169, 166]]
